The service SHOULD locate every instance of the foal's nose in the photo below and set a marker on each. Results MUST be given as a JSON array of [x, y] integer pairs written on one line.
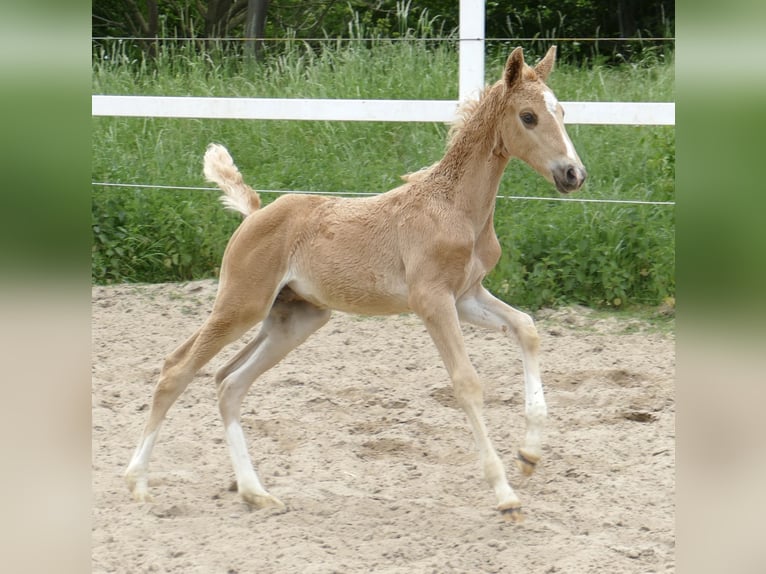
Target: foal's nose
[[569, 177], [576, 176]]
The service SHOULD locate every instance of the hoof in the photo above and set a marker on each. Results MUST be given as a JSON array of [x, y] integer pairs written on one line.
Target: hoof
[[140, 495], [138, 487], [527, 462], [262, 501], [511, 512]]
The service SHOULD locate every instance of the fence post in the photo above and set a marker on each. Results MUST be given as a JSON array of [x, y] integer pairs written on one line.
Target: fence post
[[471, 48]]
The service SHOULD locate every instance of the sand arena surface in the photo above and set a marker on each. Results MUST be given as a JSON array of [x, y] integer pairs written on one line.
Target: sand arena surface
[[358, 433]]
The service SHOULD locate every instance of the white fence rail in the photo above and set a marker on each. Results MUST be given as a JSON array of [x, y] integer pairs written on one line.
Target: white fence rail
[[635, 113], [471, 80]]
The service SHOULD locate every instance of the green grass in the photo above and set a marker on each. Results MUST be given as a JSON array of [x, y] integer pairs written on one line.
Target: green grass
[[554, 253]]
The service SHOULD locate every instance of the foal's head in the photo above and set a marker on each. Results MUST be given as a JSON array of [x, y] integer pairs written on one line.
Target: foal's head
[[531, 124]]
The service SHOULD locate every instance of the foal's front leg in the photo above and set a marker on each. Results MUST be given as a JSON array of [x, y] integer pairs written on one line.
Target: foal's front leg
[[441, 320], [482, 309]]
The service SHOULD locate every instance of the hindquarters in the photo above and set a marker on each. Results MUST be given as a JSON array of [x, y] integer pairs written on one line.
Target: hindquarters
[[258, 258]]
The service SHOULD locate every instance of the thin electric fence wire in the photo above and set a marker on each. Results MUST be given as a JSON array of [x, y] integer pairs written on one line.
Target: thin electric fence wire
[[382, 38], [367, 194]]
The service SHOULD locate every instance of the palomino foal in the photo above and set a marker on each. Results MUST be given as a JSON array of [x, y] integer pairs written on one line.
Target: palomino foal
[[423, 247]]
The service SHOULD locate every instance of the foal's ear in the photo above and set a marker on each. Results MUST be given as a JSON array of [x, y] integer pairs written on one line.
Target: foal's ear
[[544, 67], [514, 67]]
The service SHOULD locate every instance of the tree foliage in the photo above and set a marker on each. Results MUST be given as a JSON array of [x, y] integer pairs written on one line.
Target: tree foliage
[[607, 20]]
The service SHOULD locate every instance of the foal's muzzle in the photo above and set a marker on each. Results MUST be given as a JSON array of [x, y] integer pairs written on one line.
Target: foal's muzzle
[[569, 177]]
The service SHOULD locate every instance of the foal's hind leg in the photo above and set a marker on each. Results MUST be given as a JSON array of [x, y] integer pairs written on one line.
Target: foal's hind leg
[[482, 309], [288, 325], [221, 328]]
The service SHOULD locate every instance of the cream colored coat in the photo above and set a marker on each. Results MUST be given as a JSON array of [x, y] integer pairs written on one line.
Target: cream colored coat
[[423, 247]]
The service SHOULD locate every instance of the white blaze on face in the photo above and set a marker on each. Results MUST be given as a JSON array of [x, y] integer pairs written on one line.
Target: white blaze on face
[[550, 101], [552, 104]]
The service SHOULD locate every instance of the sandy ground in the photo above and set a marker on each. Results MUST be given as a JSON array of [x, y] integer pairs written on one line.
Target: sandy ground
[[358, 433]]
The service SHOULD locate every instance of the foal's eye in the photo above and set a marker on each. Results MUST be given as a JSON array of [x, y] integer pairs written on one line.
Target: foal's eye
[[529, 119]]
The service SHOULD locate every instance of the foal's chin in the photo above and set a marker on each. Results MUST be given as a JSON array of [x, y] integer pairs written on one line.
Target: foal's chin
[[565, 187], [563, 184]]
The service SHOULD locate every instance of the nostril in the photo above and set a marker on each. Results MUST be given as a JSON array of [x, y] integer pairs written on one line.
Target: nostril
[[569, 176]]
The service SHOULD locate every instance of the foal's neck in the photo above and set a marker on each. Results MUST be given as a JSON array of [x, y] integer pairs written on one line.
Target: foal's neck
[[473, 165]]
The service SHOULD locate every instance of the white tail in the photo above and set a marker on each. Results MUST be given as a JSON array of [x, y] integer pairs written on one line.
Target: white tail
[[219, 168]]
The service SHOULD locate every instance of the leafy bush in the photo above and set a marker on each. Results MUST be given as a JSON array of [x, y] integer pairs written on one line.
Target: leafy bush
[[155, 236], [598, 256]]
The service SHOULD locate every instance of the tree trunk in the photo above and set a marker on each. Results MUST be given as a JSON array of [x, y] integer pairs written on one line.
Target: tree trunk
[[626, 18], [255, 26], [216, 17], [154, 27], [147, 27]]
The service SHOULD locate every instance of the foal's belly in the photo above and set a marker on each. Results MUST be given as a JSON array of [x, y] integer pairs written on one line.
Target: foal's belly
[[354, 293]]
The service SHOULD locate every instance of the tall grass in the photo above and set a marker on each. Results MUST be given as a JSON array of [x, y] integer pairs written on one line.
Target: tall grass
[[553, 252]]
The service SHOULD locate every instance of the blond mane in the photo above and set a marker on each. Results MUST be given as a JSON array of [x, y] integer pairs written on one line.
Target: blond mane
[[465, 111]]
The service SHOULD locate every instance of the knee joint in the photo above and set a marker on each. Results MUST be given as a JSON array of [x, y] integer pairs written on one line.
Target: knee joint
[[527, 332], [468, 389]]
